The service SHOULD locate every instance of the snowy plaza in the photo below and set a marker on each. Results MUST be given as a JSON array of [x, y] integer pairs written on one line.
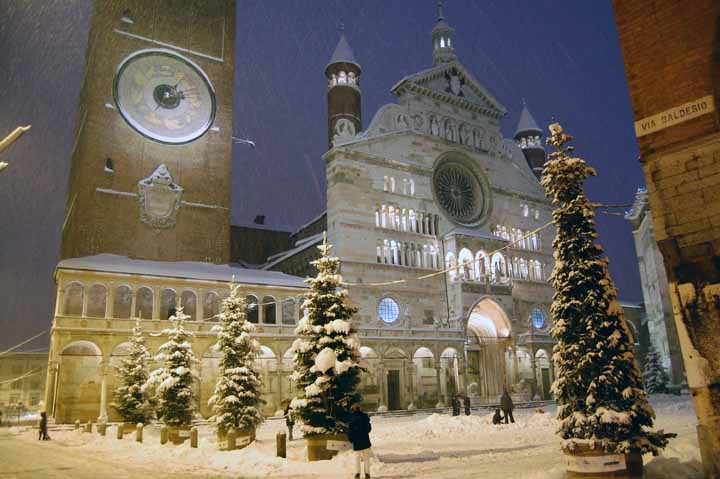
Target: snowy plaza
[[420, 446]]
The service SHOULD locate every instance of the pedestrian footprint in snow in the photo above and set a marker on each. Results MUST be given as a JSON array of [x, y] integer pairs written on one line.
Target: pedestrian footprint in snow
[[359, 435], [497, 417]]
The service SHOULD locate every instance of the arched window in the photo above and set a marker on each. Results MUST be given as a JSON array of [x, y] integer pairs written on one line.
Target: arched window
[[413, 221], [211, 306], [167, 303], [537, 318], [73, 299], [144, 303], [524, 268], [525, 210], [394, 251], [188, 300], [269, 310], [342, 78], [392, 184], [387, 253], [538, 270], [405, 189], [465, 260], [391, 216], [403, 221], [384, 217], [412, 187], [433, 257], [97, 298], [377, 216], [425, 257], [288, 311], [535, 242], [498, 266], [252, 308], [450, 263], [379, 250], [401, 252], [122, 303]]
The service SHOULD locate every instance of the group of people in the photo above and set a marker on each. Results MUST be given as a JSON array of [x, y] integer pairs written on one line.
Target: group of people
[[455, 403], [506, 405]]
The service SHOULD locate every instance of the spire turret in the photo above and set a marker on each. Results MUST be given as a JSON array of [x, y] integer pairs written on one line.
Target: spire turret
[[442, 39], [528, 137], [344, 99]]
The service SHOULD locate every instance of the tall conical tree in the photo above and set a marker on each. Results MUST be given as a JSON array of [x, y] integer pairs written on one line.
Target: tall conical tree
[[655, 377], [327, 353], [600, 396], [237, 399], [173, 383], [130, 400]]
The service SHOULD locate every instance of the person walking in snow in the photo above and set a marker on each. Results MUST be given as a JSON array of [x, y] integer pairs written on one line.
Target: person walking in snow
[[359, 435], [43, 434], [466, 403], [506, 404], [455, 406], [289, 422]]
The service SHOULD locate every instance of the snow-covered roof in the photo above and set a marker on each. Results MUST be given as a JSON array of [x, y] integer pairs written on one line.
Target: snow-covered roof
[[110, 263], [527, 123], [301, 245]]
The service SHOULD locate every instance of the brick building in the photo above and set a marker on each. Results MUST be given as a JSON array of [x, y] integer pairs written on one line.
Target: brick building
[[672, 61]]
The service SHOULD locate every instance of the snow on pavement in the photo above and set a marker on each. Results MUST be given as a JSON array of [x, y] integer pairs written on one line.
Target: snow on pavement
[[435, 446]]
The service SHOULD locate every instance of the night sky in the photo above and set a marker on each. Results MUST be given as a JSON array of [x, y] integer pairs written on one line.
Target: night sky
[[562, 57]]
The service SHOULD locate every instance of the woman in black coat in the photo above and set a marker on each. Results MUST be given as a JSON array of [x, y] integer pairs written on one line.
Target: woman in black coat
[[359, 435]]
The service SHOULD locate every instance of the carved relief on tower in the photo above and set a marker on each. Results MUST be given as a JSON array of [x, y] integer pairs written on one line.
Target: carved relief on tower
[[159, 198], [344, 130]]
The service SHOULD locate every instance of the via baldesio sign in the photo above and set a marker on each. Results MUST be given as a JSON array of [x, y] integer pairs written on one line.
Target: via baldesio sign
[[675, 116]]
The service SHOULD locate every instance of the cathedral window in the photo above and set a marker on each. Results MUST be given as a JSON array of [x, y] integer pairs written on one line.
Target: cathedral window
[[537, 318], [482, 265], [386, 252], [211, 306], [498, 266], [144, 303], [188, 300], [538, 270], [413, 221], [288, 311], [451, 264], [122, 303], [525, 210], [403, 225], [97, 298], [73, 302], [465, 260], [394, 249], [167, 303], [342, 78], [252, 308], [388, 310], [522, 263], [383, 217], [379, 251], [268, 310]]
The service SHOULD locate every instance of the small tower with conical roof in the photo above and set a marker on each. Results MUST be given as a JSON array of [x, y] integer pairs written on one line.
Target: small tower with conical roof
[[442, 40], [528, 137], [344, 99]]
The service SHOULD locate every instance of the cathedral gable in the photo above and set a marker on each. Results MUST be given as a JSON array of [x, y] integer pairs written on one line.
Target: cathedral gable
[[453, 84]]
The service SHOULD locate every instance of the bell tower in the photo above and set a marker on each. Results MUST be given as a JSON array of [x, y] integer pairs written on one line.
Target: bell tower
[[344, 98], [528, 137], [151, 167], [442, 40]]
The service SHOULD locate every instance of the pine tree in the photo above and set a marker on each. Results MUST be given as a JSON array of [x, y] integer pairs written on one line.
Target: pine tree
[[600, 396], [173, 383], [655, 377], [327, 354], [130, 400], [237, 399]]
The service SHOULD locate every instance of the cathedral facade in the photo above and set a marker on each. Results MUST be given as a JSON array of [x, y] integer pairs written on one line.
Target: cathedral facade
[[437, 219]]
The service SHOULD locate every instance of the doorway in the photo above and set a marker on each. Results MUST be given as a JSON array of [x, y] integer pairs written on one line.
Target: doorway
[[393, 386], [545, 383]]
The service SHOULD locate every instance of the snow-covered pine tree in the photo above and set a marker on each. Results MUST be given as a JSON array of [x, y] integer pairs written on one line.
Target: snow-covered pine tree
[[173, 382], [600, 396], [327, 353], [655, 377], [131, 402], [237, 399]]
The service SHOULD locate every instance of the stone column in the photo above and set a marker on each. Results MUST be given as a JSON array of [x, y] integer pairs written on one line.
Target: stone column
[[410, 375], [199, 305], [59, 301], [110, 301], [85, 302], [156, 302], [516, 366], [133, 303], [440, 387], [382, 383], [50, 386], [534, 383], [103, 417]]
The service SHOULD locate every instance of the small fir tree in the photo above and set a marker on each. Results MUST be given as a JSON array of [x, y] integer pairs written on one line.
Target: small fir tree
[[600, 396], [131, 402], [237, 399], [327, 354], [655, 377], [172, 384]]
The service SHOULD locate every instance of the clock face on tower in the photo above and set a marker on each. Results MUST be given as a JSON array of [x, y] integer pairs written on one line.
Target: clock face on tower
[[164, 96]]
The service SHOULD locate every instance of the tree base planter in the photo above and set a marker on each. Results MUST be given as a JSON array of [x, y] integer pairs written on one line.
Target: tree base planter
[[178, 435], [324, 447], [243, 438], [597, 464]]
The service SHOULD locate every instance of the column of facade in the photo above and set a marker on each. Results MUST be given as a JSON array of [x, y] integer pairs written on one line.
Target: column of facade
[[534, 382], [50, 386], [103, 417], [110, 301], [410, 375], [133, 303], [199, 305], [516, 366], [156, 302], [85, 302], [59, 301], [382, 382], [438, 370]]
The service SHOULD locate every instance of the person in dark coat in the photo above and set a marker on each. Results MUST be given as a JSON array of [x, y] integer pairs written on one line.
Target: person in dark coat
[[43, 434], [289, 422], [466, 403], [497, 417], [506, 404], [455, 406], [359, 435]]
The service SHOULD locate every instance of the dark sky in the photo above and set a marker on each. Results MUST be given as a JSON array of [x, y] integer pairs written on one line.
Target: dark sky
[[563, 57]]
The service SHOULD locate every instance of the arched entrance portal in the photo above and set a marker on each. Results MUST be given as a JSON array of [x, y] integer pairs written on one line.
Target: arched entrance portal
[[488, 335], [79, 382]]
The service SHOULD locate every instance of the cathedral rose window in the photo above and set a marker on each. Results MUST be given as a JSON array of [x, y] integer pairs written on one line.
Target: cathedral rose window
[[460, 192], [388, 310]]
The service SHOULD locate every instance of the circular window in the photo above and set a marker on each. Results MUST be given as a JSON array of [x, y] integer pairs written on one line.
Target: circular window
[[388, 310], [459, 192], [538, 318]]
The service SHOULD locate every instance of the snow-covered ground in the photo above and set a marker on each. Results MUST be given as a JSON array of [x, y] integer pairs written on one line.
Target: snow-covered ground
[[436, 446]]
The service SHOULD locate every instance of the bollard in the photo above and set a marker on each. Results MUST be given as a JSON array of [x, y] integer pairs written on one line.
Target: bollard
[[193, 436], [281, 444], [88, 427], [139, 432], [101, 428], [231, 436], [163, 435], [120, 430], [77, 424]]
